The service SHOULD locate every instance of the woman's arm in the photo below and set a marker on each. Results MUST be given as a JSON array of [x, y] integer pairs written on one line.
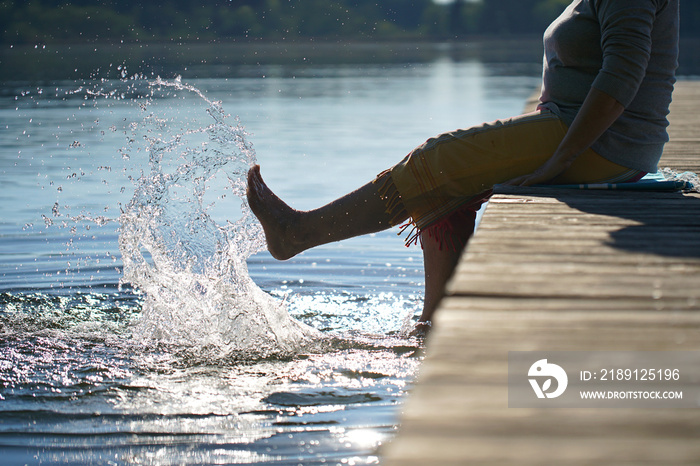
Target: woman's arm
[[598, 112]]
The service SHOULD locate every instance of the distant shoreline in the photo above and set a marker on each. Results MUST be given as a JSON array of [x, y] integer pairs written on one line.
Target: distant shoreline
[[39, 63], [80, 61]]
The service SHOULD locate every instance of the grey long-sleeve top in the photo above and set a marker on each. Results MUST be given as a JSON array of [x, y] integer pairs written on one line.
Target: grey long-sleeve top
[[627, 49]]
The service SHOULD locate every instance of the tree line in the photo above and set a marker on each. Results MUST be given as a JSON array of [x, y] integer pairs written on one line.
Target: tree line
[[51, 21]]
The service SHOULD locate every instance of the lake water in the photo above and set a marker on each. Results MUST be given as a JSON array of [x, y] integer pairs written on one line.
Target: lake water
[[141, 320]]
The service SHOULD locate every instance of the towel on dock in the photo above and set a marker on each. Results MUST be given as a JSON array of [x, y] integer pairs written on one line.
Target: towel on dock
[[660, 181]]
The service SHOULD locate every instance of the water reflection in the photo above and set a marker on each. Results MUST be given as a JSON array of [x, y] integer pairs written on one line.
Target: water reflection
[[225, 60]]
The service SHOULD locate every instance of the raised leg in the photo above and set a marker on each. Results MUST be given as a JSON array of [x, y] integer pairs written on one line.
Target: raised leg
[[289, 232]]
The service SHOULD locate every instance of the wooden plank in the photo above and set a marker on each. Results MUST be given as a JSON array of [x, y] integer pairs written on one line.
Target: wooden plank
[[565, 270], [462, 417]]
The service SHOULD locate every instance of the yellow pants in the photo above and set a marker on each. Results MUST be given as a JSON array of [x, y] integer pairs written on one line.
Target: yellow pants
[[459, 168]]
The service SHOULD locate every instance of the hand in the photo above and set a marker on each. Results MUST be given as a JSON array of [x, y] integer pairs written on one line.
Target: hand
[[547, 171], [597, 113]]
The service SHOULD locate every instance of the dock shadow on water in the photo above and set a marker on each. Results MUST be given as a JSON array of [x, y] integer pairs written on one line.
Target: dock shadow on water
[[187, 360]]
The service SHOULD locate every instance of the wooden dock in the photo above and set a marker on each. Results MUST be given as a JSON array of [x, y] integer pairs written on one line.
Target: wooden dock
[[563, 270]]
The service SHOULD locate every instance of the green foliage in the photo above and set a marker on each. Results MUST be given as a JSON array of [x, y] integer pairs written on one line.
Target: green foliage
[[34, 21], [37, 21]]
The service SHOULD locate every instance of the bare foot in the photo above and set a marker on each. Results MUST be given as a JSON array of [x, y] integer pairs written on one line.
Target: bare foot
[[421, 330], [277, 218]]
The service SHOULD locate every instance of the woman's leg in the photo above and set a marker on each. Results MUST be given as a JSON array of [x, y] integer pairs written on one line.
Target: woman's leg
[[289, 232]]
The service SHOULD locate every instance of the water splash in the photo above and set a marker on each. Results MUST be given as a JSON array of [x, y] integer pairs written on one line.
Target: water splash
[[186, 232], [192, 270]]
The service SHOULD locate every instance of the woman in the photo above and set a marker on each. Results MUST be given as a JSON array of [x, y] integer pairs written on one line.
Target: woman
[[609, 70]]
